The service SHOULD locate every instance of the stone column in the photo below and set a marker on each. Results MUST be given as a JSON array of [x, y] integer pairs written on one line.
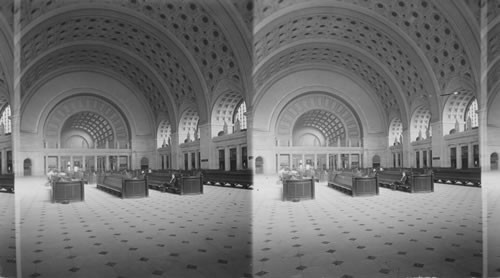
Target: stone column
[[4, 161], [439, 150], [107, 158], [459, 156], [239, 158], [470, 155], [406, 150], [227, 161], [176, 160], [208, 157]]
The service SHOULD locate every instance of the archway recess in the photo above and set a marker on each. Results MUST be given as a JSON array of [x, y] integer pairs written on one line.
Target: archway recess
[[94, 119], [327, 118]]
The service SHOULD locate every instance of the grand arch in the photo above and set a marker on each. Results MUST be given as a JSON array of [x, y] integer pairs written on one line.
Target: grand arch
[[76, 119], [90, 114], [338, 124]]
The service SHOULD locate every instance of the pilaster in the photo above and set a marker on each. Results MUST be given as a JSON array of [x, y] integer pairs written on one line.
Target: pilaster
[[438, 147]]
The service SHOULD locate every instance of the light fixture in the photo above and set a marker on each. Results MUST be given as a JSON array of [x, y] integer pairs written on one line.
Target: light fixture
[[449, 94]]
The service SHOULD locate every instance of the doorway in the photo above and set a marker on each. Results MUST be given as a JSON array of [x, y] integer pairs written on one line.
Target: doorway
[[27, 167], [494, 161], [376, 161], [259, 165], [144, 163]]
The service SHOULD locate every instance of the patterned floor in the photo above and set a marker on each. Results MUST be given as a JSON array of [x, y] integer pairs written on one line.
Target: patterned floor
[[165, 235], [492, 191], [7, 235], [395, 234]]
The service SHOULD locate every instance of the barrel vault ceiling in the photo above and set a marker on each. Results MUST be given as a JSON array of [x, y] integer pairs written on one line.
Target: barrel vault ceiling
[[173, 52], [406, 51]]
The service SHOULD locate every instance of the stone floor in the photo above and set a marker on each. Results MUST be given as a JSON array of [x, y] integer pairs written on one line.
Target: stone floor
[[395, 234], [491, 189], [165, 235], [7, 235], [229, 232]]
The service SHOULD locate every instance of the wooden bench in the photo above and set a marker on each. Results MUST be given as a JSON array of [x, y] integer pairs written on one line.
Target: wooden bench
[[180, 184], [414, 182], [471, 176], [354, 185], [122, 186], [240, 178], [67, 190], [7, 182], [298, 189]]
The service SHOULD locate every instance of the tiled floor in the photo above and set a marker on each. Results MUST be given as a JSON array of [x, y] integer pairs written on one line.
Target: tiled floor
[[395, 234], [492, 191], [7, 235], [165, 235]]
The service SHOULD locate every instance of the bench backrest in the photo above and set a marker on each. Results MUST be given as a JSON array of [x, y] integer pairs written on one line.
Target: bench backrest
[[390, 176], [7, 178], [343, 178], [113, 180]]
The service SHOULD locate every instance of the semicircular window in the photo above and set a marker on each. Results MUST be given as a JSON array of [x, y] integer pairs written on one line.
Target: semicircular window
[[471, 114], [318, 128], [87, 129], [240, 115]]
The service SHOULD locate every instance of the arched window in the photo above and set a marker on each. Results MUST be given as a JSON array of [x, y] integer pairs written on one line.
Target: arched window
[[164, 133], [240, 114], [471, 112], [395, 131], [420, 126], [6, 121]]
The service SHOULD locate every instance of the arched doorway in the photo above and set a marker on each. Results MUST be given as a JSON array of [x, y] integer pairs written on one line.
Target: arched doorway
[[27, 167], [144, 163], [494, 161], [259, 165], [376, 161]]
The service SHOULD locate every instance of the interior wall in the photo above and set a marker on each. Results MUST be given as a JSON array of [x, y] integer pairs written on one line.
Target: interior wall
[[271, 100], [36, 109]]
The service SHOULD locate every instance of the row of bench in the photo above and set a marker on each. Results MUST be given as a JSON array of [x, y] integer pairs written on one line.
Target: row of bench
[[124, 185], [240, 178], [362, 183], [415, 180], [469, 177]]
